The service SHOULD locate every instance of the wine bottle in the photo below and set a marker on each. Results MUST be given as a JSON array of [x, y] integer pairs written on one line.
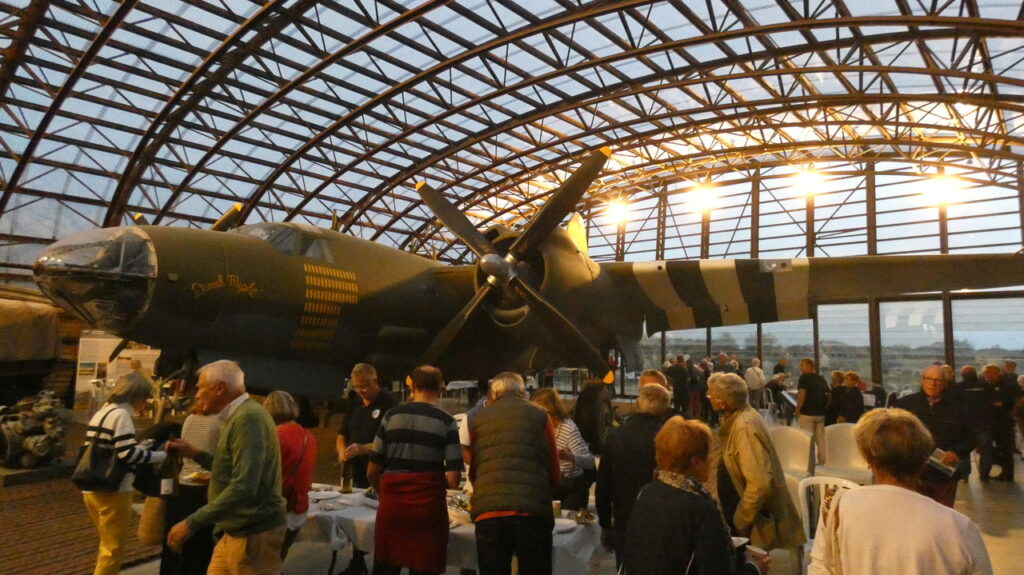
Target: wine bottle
[[347, 472], [169, 470]]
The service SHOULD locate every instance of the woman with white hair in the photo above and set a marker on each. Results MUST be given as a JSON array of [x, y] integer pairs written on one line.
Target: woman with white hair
[[860, 534], [755, 383], [751, 485], [111, 512]]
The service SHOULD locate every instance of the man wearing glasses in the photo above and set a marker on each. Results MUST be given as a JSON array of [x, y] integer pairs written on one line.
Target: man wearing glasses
[[946, 419]]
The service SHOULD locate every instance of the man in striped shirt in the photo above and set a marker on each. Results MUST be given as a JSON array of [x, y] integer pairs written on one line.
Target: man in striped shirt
[[416, 454]]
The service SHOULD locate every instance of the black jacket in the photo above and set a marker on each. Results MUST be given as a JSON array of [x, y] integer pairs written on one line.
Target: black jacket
[[946, 419], [627, 464], [671, 527]]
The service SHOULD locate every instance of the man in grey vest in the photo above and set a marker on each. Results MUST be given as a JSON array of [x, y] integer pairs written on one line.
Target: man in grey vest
[[513, 467]]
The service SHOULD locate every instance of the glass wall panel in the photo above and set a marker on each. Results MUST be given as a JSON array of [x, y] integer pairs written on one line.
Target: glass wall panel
[[988, 331], [740, 340], [790, 339], [843, 340], [691, 342], [912, 339]]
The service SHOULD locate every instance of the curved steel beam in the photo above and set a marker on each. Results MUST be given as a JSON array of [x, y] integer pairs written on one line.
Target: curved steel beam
[[634, 87], [789, 104], [227, 57], [553, 22], [301, 79], [753, 151], [660, 177], [955, 26], [31, 16], [65, 90]]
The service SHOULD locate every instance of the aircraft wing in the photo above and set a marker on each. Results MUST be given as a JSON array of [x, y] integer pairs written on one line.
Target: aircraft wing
[[706, 293]]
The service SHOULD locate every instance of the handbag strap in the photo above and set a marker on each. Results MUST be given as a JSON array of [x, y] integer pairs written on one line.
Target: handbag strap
[[302, 455], [99, 427]]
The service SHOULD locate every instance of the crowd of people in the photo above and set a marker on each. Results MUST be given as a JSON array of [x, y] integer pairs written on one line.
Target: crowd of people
[[665, 504]]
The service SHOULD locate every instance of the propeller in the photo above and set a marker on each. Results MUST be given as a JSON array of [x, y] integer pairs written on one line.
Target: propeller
[[501, 271]]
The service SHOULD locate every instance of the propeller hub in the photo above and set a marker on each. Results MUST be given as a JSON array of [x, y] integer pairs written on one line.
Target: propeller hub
[[499, 271]]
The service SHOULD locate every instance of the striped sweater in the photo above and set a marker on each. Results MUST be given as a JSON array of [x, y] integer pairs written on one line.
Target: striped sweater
[[567, 437], [119, 429]]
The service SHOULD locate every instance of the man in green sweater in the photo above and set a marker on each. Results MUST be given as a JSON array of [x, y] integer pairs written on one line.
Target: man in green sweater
[[245, 502]]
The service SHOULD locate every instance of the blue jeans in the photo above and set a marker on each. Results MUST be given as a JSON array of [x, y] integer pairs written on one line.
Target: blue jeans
[[528, 538]]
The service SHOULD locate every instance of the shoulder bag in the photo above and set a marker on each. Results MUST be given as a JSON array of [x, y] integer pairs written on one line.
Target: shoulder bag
[[99, 468]]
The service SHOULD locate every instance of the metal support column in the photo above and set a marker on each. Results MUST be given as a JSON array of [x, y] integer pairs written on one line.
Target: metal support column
[[1020, 198], [705, 234], [659, 246], [943, 221], [875, 338], [760, 349], [809, 226], [814, 339], [871, 207], [755, 225], [947, 328], [943, 230]]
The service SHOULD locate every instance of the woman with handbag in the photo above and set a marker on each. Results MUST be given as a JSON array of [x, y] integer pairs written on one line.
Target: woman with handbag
[[104, 471], [298, 455]]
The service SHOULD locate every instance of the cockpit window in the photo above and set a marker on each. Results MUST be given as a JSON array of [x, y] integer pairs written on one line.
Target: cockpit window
[[121, 251], [288, 240]]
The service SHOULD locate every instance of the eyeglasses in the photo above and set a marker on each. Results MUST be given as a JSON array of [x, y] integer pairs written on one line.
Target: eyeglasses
[[933, 380]]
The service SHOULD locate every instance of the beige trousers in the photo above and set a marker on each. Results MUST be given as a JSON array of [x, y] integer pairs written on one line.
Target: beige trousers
[[816, 425], [257, 554], [111, 513]]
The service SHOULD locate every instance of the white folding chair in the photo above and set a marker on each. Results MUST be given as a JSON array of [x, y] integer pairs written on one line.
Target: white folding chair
[[811, 492], [795, 448], [844, 459]]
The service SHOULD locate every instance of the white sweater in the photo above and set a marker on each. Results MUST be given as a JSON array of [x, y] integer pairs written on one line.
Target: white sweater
[[889, 529]]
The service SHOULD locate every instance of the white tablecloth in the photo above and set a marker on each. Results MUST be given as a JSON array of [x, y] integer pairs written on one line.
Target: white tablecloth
[[353, 522]]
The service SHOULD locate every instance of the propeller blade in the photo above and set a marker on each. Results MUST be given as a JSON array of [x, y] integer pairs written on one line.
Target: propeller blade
[[229, 219], [563, 200], [117, 350], [455, 220], [573, 344], [445, 337], [140, 220]]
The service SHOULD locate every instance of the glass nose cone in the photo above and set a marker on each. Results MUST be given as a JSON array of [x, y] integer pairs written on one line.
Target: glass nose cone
[[104, 276]]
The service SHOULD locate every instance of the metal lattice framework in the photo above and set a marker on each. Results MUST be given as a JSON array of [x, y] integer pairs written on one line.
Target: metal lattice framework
[[311, 110]]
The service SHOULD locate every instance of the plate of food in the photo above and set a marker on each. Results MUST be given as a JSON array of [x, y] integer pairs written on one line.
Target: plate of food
[[323, 487], [583, 517], [323, 495], [564, 525], [198, 477]]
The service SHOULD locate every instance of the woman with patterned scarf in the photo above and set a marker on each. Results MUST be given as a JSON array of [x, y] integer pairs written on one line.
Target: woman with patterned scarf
[[675, 526]]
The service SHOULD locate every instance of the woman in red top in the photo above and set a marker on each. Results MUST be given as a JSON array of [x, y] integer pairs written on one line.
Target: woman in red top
[[298, 454]]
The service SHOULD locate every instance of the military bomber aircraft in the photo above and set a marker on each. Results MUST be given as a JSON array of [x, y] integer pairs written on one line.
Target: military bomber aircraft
[[298, 305]]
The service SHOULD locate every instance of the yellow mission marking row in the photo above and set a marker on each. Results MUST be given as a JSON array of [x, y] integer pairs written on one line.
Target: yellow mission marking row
[[319, 308], [330, 272], [329, 296], [310, 344], [313, 333], [314, 321], [320, 282]]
